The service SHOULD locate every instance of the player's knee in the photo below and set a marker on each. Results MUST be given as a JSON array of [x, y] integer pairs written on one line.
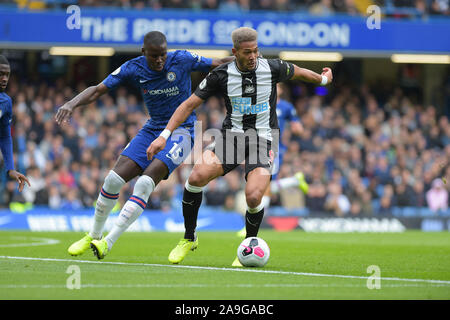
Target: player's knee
[[113, 182], [144, 187], [197, 178], [253, 198]]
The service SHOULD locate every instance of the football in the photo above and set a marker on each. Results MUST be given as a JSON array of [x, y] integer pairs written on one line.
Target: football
[[253, 252]]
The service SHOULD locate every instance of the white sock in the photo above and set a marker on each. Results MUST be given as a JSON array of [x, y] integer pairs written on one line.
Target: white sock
[[265, 201], [277, 185], [132, 209], [107, 199]]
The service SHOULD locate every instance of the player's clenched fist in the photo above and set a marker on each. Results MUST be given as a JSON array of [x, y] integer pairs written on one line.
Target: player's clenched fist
[[327, 73], [157, 145]]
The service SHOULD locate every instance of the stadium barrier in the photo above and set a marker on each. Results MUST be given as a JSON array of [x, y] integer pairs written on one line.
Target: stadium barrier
[[45, 219], [214, 219]]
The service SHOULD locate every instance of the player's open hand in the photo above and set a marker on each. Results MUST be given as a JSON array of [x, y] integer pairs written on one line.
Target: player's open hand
[[64, 113], [20, 178], [157, 145], [328, 73]]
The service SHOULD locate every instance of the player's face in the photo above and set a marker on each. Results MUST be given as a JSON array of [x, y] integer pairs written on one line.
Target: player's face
[[5, 71], [247, 55], [156, 56]]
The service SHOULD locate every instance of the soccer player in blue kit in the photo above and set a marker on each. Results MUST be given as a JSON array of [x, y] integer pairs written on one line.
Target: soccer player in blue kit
[[164, 81], [6, 144]]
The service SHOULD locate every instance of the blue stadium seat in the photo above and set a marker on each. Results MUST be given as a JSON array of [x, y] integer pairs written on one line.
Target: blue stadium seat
[[397, 212], [445, 213], [301, 212], [376, 206], [426, 212], [410, 212]]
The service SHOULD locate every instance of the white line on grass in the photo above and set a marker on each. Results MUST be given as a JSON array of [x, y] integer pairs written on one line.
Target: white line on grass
[[199, 285], [40, 242], [307, 274]]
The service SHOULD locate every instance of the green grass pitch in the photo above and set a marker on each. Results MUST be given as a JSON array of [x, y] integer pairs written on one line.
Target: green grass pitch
[[412, 265]]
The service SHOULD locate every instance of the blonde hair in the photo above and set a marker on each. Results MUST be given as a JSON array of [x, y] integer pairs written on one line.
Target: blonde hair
[[243, 34]]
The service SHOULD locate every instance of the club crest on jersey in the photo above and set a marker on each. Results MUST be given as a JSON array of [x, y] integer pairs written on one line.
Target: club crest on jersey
[[171, 76], [249, 89]]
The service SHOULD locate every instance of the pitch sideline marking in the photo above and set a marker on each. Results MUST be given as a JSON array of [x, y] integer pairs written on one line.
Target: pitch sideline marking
[[308, 274], [200, 285], [41, 242]]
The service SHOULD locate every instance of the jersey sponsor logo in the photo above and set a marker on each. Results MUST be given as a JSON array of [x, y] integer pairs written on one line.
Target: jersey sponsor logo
[[244, 106], [143, 80], [172, 91], [171, 76]]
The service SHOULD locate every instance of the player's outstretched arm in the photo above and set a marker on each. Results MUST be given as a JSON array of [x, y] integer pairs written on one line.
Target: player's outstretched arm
[[87, 96], [179, 116], [326, 77]]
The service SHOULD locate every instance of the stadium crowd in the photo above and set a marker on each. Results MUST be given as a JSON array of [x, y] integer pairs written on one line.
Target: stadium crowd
[[396, 8], [363, 153]]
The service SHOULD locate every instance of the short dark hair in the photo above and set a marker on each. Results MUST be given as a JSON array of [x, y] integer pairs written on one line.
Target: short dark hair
[[155, 38], [3, 60]]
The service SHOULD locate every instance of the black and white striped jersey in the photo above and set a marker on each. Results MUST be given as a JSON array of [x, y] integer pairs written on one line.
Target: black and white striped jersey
[[250, 97]]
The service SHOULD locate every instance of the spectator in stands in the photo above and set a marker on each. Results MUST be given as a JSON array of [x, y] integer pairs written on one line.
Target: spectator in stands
[[336, 201], [210, 4], [386, 201], [437, 196], [315, 199], [404, 195], [321, 8]]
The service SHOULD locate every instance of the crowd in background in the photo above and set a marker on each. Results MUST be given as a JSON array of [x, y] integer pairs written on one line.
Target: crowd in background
[[362, 153], [397, 8]]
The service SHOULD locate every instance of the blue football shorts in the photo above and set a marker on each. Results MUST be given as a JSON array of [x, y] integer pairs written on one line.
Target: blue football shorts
[[177, 148]]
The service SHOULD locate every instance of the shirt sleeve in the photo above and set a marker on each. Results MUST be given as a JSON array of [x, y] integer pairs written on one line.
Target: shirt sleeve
[[196, 62], [281, 70], [119, 76], [208, 87]]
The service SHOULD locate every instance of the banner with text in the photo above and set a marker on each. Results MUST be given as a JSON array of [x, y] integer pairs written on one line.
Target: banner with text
[[125, 29]]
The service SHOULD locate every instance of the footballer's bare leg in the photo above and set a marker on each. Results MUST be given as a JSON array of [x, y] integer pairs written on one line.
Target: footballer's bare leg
[[207, 168]]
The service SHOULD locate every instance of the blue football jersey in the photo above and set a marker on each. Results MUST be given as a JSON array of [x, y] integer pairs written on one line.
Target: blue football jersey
[[5, 130], [162, 91], [285, 112]]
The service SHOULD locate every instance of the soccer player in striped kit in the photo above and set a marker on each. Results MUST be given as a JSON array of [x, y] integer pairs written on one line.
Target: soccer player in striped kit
[[250, 130]]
